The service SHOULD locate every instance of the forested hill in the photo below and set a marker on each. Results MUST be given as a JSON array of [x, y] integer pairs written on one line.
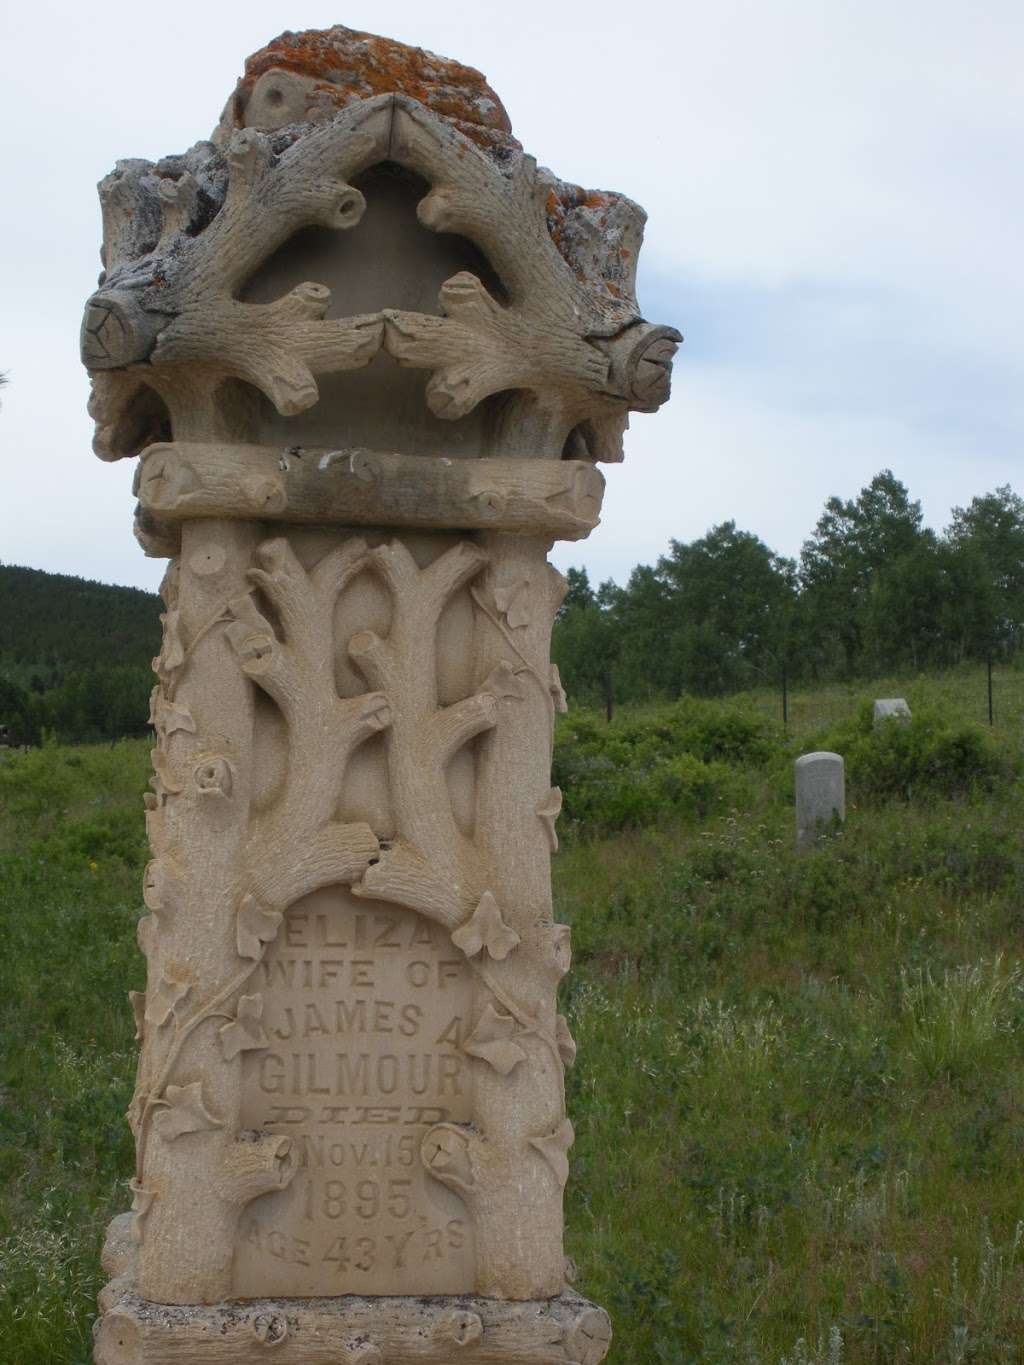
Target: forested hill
[[74, 657], [52, 621]]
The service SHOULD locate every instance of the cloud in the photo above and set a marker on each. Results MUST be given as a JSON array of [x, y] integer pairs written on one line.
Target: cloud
[[834, 204]]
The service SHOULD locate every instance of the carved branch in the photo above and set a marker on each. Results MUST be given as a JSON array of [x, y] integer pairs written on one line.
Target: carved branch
[[297, 671], [479, 347], [496, 1184], [176, 305], [403, 877], [456, 725], [335, 854], [558, 335], [432, 868], [255, 1164]]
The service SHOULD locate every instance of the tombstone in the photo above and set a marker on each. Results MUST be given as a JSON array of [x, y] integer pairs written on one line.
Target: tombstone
[[891, 708], [820, 796], [369, 356]]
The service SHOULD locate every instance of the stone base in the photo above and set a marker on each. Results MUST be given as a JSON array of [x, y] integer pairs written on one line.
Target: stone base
[[351, 1331]]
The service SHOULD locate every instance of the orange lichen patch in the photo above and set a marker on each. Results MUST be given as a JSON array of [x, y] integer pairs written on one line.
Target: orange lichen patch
[[348, 65]]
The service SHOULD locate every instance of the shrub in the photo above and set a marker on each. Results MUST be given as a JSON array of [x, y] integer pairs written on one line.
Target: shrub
[[680, 760], [929, 755]]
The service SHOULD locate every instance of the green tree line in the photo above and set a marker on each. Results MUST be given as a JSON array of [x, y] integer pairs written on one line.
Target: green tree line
[[874, 591], [74, 657]]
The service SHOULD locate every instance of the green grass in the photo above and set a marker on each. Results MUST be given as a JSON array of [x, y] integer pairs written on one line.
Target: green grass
[[799, 1098]]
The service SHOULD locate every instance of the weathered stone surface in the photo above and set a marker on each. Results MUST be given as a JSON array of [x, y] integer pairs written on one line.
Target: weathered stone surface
[[301, 485], [351, 1330], [820, 795], [307, 77], [891, 708], [352, 1070]]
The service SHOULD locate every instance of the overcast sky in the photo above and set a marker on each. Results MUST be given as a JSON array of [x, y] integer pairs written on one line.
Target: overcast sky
[[835, 199]]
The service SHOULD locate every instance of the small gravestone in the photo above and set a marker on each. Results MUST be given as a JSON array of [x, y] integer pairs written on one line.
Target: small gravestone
[[891, 708], [370, 356], [820, 795]]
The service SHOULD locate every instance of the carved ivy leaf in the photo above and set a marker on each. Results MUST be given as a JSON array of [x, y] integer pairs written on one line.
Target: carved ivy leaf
[[548, 813], [245, 1031], [172, 987], [183, 1111], [145, 934], [254, 927], [135, 1112], [512, 601], [167, 717], [558, 691], [491, 1041], [141, 1201], [503, 682], [138, 1002], [172, 654], [164, 783], [566, 1042], [554, 1149], [486, 929], [561, 948]]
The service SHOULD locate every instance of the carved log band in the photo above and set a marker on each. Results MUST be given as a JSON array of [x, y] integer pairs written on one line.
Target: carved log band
[[185, 480]]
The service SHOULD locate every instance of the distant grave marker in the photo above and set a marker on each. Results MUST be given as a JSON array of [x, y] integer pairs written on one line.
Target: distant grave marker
[[820, 795], [891, 708]]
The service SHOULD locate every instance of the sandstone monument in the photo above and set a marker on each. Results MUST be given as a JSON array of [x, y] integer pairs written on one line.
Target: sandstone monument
[[368, 355]]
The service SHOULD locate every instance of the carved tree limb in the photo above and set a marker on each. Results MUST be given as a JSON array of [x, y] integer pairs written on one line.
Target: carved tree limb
[[555, 337], [432, 867], [296, 671], [176, 308]]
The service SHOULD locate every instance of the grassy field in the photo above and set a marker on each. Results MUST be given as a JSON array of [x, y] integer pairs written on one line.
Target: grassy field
[[799, 1100]]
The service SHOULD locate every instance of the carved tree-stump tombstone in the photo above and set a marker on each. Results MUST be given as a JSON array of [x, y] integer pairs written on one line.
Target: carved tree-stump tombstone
[[368, 355]]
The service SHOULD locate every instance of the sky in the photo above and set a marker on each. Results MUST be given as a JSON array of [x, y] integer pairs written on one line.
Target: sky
[[835, 207]]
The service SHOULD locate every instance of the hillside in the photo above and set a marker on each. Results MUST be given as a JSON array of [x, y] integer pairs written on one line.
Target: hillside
[[52, 621], [797, 1097], [74, 657]]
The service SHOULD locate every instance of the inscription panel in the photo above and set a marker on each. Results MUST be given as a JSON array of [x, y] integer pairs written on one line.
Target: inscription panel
[[364, 1008]]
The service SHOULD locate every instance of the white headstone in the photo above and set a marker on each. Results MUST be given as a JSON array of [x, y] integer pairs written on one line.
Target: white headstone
[[820, 795], [892, 708]]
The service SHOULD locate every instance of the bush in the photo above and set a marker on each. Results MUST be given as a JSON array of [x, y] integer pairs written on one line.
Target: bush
[[929, 755], [681, 760]]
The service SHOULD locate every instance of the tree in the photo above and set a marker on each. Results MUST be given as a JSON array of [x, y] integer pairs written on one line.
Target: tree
[[584, 645], [853, 543], [578, 591], [991, 531], [729, 597]]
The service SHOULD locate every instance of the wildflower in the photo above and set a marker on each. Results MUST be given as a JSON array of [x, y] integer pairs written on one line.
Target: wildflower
[[93, 867]]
